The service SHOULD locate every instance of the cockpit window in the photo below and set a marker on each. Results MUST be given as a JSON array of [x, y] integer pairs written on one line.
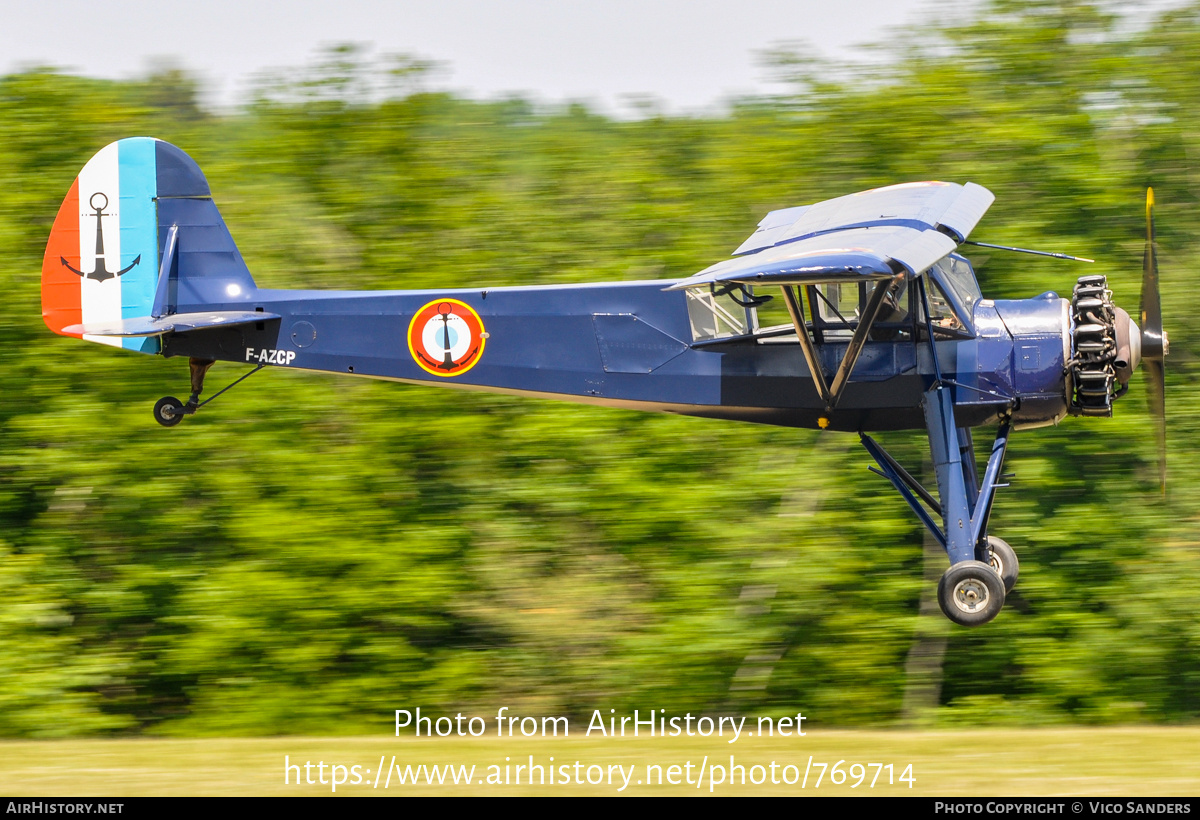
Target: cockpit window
[[839, 307], [840, 302], [715, 317], [942, 310], [832, 311], [955, 272]]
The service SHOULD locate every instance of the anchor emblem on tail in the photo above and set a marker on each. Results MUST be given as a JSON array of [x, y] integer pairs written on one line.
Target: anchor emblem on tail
[[101, 273]]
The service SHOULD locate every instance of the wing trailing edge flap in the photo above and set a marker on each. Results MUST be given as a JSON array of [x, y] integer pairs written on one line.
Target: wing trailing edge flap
[[175, 323], [867, 253]]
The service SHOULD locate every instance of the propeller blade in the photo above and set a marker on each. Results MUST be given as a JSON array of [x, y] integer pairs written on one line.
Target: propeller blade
[[1151, 309], [1154, 340], [1156, 376]]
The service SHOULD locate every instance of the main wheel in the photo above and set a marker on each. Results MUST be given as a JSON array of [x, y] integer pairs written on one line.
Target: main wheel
[[1004, 561], [971, 593], [168, 411]]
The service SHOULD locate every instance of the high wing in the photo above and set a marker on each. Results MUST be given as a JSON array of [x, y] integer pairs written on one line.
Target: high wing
[[873, 235], [938, 205], [854, 253]]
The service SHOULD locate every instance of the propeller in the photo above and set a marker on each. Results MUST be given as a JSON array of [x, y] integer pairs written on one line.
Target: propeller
[[1155, 345]]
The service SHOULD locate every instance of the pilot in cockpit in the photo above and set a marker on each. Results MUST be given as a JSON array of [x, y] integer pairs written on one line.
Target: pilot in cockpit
[[893, 309]]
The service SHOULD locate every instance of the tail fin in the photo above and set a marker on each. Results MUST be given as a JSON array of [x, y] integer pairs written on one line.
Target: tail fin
[[104, 260]]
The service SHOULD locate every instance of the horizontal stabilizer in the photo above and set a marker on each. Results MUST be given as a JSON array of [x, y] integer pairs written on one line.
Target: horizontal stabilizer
[[177, 323]]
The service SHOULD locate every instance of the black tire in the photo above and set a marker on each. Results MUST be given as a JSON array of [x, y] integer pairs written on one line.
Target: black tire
[[1004, 561], [971, 593], [168, 411]]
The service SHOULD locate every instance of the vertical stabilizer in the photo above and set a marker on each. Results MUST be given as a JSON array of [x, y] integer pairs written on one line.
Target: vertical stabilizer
[[103, 260]]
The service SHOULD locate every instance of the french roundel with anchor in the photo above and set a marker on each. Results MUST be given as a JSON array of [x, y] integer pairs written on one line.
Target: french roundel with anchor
[[446, 337]]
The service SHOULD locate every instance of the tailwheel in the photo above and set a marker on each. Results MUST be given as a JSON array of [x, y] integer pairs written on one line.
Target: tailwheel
[[971, 593], [168, 411], [1004, 560]]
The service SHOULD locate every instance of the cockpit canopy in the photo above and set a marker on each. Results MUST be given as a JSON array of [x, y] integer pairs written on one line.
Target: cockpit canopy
[[852, 260], [734, 311]]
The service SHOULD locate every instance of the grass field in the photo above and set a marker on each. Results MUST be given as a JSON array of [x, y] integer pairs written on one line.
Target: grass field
[[1116, 761]]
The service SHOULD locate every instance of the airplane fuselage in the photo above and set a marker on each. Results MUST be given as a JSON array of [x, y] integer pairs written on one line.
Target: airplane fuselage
[[631, 345]]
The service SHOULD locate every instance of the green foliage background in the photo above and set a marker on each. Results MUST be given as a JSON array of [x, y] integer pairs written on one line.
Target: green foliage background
[[311, 553]]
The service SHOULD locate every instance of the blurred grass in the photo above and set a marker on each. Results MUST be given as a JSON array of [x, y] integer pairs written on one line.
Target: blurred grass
[[979, 762]]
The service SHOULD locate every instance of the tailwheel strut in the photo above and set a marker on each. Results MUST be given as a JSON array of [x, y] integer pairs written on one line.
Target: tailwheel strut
[[169, 411]]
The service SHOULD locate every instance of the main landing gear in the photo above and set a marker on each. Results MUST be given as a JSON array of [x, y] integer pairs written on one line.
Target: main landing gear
[[971, 593], [983, 568], [169, 411], [1004, 561]]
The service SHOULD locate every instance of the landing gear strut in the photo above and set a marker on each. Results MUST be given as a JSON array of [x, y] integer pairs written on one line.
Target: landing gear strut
[[199, 368], [169, 411], [983, 568]]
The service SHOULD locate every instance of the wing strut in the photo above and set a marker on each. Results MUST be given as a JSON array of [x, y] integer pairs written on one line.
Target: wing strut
[[806, 343], [850, 358], [832, 393]]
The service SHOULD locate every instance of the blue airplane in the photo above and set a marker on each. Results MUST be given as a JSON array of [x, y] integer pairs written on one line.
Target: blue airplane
[[855, 314]]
